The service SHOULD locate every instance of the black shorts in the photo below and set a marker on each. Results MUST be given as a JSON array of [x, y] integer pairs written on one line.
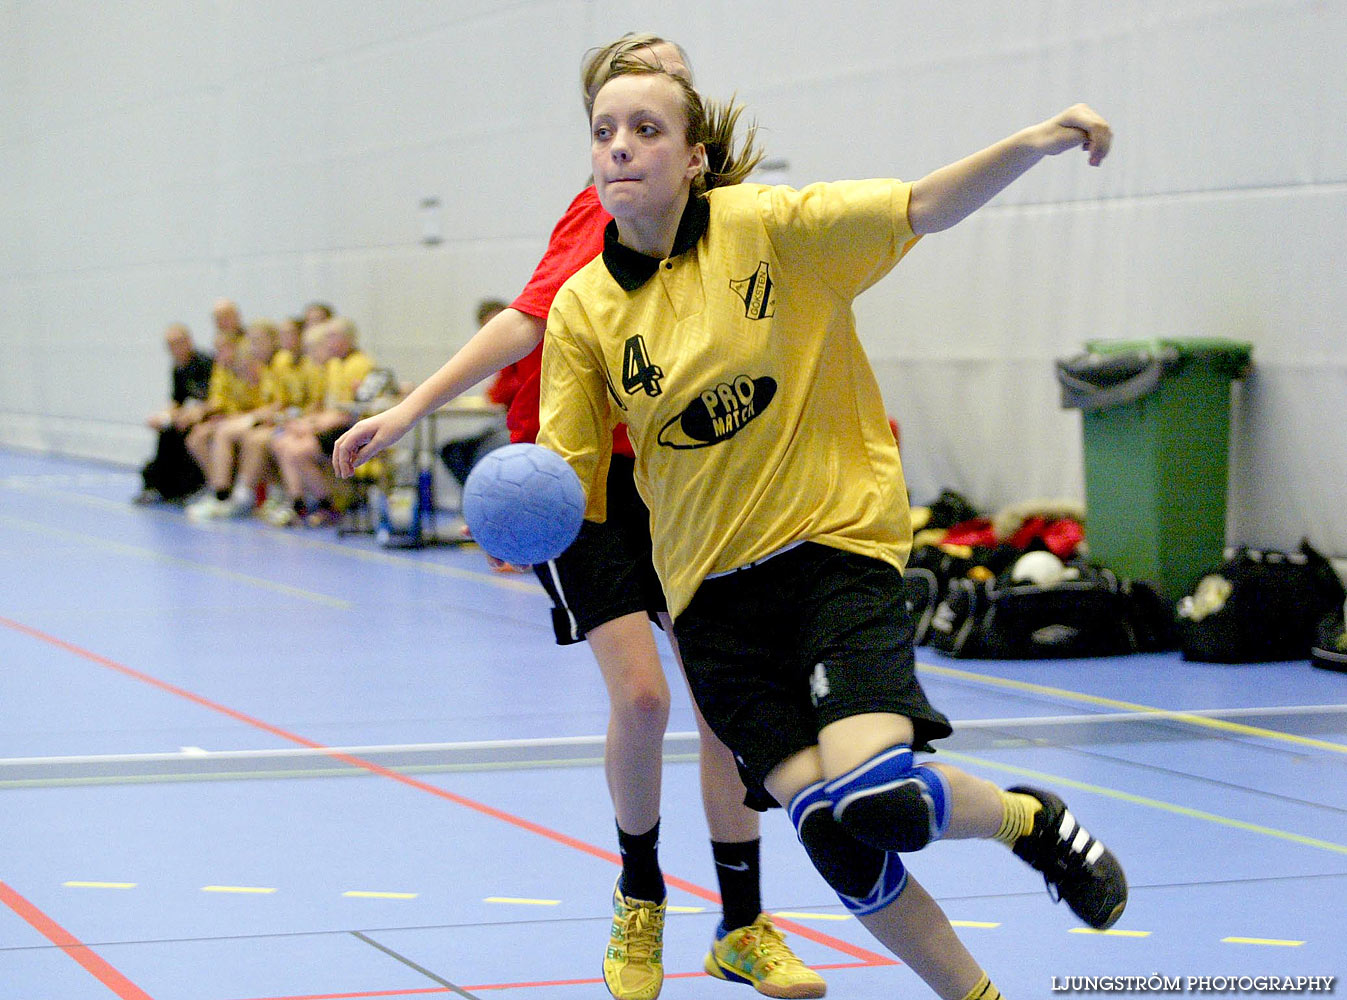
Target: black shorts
[[607, 572], [777, 651]]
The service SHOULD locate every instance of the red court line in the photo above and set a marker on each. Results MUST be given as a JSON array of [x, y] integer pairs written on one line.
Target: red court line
[[556, 836], [68, 943], [483, 987]]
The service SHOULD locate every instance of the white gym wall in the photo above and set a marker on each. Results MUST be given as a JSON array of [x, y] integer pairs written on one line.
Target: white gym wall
[[156, 155]]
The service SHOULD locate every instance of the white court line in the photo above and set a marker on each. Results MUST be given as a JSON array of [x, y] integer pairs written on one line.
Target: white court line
[[597, 742], [1148, 716], [197, 753]]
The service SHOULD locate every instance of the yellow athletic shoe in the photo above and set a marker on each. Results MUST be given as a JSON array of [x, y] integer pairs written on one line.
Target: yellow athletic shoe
[[633, 966], [759, 956]]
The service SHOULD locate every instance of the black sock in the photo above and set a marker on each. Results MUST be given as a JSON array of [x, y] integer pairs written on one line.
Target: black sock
[[641, 877], [222, 495], [740, 887]]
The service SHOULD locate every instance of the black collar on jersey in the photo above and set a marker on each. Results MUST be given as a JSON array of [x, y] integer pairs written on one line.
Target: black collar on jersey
[[631, 269]]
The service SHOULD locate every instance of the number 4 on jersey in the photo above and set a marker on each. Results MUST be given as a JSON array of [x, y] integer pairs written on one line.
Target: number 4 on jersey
[[637, 371]]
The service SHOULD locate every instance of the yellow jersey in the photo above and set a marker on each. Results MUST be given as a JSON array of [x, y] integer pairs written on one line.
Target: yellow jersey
[[231, 395], [274, 379], [343, 375], [754, 413]]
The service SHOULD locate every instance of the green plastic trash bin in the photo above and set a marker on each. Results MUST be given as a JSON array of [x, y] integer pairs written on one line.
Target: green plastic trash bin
[[1156, 429]]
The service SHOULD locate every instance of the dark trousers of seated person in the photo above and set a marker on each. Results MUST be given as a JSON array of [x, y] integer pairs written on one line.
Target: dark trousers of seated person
[[460, 456], [173, 473]]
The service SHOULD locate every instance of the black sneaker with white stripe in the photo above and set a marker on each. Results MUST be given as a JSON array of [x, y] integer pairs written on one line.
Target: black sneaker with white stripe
[[1077, 867]]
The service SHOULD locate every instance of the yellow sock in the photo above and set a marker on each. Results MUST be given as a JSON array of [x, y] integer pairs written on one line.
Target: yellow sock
[[1018, 818], [984, 990]]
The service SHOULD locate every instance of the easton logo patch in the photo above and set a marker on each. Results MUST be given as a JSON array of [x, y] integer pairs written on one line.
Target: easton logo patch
[[757, 292], [718, 413]]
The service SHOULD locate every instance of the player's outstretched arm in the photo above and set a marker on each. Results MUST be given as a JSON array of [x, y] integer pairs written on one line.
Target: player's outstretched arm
[[952, 193], [504, 339]]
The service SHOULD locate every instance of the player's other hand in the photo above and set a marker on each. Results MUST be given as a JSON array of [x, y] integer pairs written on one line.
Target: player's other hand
[[1078, 126], [364, 440]]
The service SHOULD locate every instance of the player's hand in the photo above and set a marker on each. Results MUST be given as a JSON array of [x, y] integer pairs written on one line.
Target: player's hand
[[497, 565], [186, 415], [1078, 126], [365, 440], [504, 567]]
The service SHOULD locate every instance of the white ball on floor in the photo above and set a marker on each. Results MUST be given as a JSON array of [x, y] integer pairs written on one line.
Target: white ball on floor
[[1040, 568]]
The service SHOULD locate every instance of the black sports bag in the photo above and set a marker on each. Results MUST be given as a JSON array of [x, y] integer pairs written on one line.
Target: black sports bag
[[1094, 615], [1259, 606]]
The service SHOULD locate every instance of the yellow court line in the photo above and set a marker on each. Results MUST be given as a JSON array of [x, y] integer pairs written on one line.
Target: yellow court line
[[792, 915], [1109, 933], [246, 890], [984, 924], [522, 902], [522, 582], [684, 909], [1267, 941], [363, 894], [1159, 713], [159, 557], [1141, 800], [99, 885]]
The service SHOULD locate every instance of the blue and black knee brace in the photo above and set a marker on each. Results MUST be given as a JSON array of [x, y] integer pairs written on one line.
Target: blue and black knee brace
[[865, 878], [889, 804]]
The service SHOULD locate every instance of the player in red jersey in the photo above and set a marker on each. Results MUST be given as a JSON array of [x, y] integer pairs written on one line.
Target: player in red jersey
[[605, 591]]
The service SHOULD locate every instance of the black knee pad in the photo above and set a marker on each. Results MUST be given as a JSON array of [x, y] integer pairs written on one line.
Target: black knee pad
[[896, 819], [866, 878], [891, 805], [845, 863]]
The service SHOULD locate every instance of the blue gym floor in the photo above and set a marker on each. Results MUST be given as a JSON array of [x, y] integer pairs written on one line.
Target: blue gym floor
[[243, 763]]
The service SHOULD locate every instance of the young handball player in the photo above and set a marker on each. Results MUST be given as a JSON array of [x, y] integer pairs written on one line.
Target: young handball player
[[717, 325], [605, 592]]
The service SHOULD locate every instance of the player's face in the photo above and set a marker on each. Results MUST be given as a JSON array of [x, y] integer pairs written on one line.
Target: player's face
[[179, 346], [288, 336], [226, 316], [259, 343], [642, 163], [226, 349], [336, 344]]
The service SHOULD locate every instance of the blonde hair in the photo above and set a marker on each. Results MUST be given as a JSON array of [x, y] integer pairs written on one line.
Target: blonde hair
[[596, 69], [725, 164], [312, 337], [729, 159]]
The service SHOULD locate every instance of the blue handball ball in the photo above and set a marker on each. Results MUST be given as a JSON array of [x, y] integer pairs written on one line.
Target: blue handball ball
[[523, 504]]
